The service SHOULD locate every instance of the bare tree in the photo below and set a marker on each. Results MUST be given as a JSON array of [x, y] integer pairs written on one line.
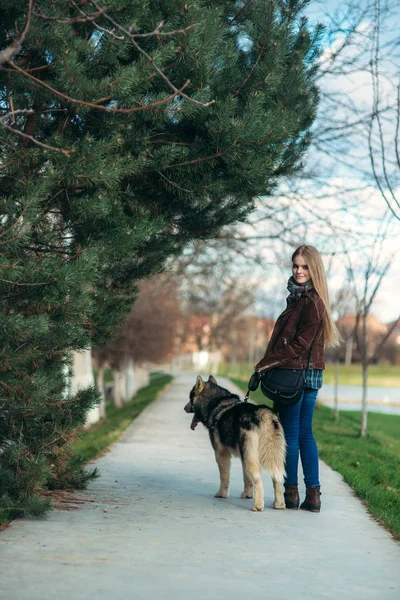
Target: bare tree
[[383, 139], [353, 155], [366, 271], [148, 333], [341, 304], [219, 298]]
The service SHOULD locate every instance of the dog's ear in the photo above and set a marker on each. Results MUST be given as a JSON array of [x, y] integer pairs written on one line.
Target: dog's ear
[[212, 379], [199, 387]]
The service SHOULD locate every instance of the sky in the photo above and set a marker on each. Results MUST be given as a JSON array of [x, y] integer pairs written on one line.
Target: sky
[[360, 218]]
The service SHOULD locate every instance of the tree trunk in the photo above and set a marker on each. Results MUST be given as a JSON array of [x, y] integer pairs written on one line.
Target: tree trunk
[[100, 386], [83, 377], [123, 383], [364, 359], [336, 399], [130, 382], [117, 388], [364, 399], [349, 351]]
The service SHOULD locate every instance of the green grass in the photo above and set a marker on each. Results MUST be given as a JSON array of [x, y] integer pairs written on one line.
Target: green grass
[[95, 440], [379, 375], [370, 465]]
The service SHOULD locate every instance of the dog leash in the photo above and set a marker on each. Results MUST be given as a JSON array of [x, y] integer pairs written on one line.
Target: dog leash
[[253, 384]]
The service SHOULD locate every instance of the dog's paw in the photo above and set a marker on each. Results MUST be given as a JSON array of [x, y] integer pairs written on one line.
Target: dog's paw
[[220, 494], [257, 507], [279, 505], [247, 494]]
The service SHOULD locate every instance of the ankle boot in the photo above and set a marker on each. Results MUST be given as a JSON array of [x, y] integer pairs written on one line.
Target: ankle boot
[[312, 501], [291, 495]]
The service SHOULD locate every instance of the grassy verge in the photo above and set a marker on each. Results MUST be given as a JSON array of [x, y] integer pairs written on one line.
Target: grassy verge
[[379, 375], [369, 465], [101, 435], [95, 440]]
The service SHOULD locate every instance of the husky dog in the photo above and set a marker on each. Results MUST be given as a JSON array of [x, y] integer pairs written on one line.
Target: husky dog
[[251, 431]]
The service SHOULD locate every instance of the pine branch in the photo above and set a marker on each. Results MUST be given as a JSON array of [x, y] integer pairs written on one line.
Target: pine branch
[[28, 284], [157, 32], [132, 36], [31, 70], [175, 185], [26, 136], [7, 55], [83, 18], [110, 109], [15, 47], [102, 29]]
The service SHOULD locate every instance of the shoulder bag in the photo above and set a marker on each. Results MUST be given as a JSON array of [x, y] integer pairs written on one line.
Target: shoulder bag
[[284, 386]]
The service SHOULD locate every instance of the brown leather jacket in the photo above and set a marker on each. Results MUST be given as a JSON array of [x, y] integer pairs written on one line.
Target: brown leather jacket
[[295, 330]]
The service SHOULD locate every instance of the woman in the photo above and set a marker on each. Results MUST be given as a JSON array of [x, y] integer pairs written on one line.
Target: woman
[[297, 342]]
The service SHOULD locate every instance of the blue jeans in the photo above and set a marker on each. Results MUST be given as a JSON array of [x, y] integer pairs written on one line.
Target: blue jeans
[[297, 424]]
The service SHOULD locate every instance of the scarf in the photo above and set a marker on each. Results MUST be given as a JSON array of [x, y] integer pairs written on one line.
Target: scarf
[[297, 290]]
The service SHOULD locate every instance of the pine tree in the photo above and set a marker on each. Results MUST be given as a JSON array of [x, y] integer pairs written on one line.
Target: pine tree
[[124, 134]]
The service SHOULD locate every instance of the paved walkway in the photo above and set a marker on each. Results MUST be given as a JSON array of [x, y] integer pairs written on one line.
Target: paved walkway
[[150, 528]]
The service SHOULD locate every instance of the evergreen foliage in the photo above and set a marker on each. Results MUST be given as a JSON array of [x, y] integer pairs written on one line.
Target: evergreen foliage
[[110, 183]]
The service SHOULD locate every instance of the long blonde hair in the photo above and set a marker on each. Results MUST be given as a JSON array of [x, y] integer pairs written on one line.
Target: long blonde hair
[[318, 277]]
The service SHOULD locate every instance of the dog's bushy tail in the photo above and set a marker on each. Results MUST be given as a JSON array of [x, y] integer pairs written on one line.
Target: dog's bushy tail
[[272, 445]]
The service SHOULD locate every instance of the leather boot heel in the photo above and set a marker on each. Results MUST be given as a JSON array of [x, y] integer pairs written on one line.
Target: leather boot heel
[[291, 495], [312, 500]]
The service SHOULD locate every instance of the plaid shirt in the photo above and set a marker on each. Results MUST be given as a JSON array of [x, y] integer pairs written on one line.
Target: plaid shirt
[[313, 378]]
